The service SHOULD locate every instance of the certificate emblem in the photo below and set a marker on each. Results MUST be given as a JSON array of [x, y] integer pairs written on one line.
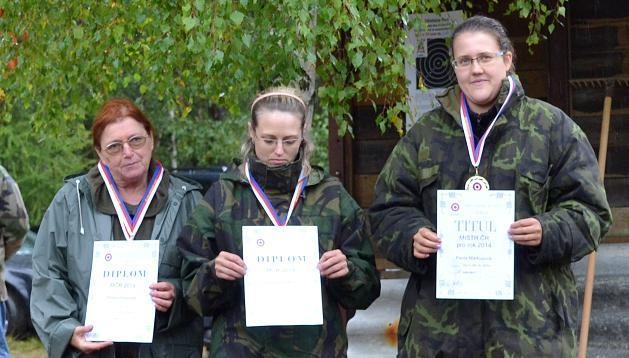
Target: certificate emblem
[[476, 183]]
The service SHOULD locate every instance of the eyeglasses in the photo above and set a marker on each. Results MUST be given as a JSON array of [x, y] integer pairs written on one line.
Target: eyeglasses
[[135, 142], [271, 143], [484, 58]]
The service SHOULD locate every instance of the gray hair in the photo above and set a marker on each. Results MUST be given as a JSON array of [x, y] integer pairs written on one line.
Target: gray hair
[[489, 26], [283, 99]]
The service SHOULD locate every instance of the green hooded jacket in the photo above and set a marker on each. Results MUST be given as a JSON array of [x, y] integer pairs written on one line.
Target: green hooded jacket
[[62, 262], [534, 149], [216, 226]]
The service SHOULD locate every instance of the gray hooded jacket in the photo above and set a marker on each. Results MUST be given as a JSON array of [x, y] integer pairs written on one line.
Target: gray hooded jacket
[[62, 261]]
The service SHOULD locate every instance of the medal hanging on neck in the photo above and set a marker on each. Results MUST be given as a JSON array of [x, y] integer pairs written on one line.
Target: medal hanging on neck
[[475, 150], [266, 203], [130, 226]]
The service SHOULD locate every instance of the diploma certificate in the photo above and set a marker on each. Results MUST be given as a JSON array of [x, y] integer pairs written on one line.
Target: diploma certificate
[[476, 259], [119, 304], [282, 283]]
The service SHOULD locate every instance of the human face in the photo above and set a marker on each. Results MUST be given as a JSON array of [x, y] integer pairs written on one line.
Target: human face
[[277, 137], [130, 165], [480, 82]]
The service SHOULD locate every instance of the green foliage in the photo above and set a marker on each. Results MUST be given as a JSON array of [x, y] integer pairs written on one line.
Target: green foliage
[[193, 67], [541, 16]]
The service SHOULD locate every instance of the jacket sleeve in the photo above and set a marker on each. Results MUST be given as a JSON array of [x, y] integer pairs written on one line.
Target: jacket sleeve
[[13, 216], [204, 292], [54, 312], [578, 214], [179, 313], [361, 286], [397, 211]]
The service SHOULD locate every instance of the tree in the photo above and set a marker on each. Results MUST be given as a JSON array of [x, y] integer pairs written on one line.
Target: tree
[[194, 66]]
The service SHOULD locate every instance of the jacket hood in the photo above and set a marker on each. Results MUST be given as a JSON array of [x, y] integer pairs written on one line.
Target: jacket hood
[[182, 183], [83, 185]]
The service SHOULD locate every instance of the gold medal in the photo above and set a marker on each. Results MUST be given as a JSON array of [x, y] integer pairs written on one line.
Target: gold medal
[[476, 183]]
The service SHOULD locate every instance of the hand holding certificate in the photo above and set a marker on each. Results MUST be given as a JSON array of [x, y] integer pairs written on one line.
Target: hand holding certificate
[[119, 305], [476, 259], [282, 284]]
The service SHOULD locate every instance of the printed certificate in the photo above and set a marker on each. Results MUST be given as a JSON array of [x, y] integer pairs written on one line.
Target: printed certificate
[[119, 304], [476, 258], [282, 283]]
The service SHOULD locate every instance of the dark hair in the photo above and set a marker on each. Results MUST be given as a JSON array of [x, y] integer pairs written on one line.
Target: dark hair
[[115, 110], [489, 26], [283, 99]]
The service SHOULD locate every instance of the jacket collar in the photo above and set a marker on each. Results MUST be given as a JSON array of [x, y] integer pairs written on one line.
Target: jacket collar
[[102, 200], [237, 174]]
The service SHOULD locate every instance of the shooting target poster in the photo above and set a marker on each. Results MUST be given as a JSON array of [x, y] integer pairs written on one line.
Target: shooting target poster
[[429, 72]]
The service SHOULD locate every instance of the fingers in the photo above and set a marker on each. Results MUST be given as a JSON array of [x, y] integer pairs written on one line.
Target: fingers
[[229, 266], [163, 294], [161, 304], [90, 347], [333, 264], [425, 242], [526, 232], [78, 340], [82, 330]]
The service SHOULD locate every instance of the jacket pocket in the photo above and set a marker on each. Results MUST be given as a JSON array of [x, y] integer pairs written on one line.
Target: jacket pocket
[[427, 176], [532, 186], [565, 298]]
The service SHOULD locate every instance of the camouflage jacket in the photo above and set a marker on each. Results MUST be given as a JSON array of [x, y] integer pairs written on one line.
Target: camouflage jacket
[[534, 149], [216, 226], [13, 223]]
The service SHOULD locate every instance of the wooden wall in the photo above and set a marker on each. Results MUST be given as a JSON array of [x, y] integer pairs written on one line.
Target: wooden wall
[[599, 56], [371, 150]]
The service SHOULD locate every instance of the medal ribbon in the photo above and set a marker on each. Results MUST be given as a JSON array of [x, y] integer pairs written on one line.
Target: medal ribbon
[[266, 203], [475, 150], [130, 227]]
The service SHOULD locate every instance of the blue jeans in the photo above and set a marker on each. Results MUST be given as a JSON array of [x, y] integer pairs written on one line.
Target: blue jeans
[[4, 348]]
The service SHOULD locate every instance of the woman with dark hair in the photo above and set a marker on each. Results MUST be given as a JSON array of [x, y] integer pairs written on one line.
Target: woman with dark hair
[[488, 134], [276, 185], [83, 212]]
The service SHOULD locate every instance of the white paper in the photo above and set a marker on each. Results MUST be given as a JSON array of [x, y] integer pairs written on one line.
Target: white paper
[[119, 304], [476, 258], [282, 283]]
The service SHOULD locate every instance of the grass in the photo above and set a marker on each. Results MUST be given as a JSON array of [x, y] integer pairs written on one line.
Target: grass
[[33, 348], [27, 348]]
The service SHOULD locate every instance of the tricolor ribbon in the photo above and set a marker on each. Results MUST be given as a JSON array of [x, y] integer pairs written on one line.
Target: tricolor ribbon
[[475, 150], [130, 226], [266, 203]]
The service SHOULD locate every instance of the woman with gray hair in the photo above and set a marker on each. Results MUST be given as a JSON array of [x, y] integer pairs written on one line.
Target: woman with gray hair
[[276, 186]]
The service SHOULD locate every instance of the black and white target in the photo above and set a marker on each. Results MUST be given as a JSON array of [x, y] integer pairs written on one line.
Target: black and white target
[[435, 70]]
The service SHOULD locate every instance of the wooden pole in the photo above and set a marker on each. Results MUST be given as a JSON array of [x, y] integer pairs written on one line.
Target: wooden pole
[[589, 278]]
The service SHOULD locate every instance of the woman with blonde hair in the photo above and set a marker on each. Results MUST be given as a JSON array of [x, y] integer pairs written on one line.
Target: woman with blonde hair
[[277, 186]]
